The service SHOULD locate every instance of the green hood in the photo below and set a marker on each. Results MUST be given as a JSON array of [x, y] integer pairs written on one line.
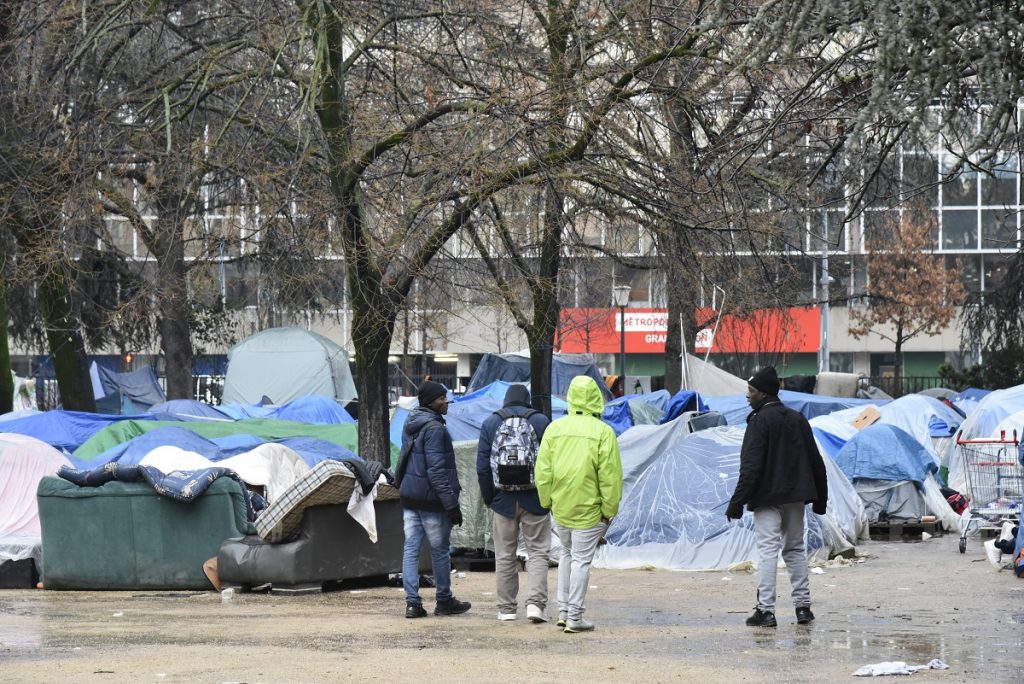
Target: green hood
[[585, 396]]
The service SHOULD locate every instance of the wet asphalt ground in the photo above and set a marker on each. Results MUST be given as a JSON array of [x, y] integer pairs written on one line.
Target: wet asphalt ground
[[910, 602]]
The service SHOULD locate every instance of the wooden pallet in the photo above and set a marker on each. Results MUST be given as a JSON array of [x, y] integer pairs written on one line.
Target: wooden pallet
[[904, 531]]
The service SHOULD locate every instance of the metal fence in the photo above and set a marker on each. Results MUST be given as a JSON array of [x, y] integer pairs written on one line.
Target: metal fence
[[896, 388]]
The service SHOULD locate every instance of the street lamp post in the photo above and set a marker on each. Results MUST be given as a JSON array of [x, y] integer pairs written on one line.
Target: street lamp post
[[620, 297]]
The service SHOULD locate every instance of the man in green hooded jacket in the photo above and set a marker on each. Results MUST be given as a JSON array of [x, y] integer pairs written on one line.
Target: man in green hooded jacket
[[579, 477]]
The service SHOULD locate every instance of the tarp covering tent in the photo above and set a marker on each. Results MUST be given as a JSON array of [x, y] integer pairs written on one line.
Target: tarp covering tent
[[131, 392], [893, 474], [710, 381], [981, 423], [516, 368], [284, 364], [735, 408], [676, 486], [63, 430], [467, 413], [635, 409], [187, 409], [344, 435], [24, 461]]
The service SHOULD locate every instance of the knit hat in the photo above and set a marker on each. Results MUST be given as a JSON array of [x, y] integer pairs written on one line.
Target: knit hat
[[517, 395], [765, 380], [429, 391]]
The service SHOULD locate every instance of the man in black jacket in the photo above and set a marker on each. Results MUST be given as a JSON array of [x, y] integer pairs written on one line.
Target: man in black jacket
[[781, 471], [516, 508], [429, 489]]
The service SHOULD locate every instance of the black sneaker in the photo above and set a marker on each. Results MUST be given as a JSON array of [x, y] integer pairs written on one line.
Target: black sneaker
[[804, 616], [762, 618], [452, 606], [415, 610]]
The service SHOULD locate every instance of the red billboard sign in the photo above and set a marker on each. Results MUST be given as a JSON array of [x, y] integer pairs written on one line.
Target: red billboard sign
[[597, 331]]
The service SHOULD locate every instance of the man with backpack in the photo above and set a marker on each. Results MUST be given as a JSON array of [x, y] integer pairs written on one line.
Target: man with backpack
[[505, 458], [428, 484]]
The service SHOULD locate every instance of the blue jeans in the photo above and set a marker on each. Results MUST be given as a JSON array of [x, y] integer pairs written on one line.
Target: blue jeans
[[437, 528]]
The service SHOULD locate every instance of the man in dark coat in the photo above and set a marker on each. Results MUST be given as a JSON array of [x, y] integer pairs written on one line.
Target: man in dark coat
[[429, 489], [781, 471], [515, 511]]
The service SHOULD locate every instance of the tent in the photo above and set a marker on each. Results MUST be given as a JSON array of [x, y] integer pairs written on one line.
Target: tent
[[710, 381], [735, 408], [127, 393], [893, 474], [676, 485], [287, 363], [516, 368]]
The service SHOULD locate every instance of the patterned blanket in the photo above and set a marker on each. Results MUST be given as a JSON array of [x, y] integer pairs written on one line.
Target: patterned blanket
[[181, 485]]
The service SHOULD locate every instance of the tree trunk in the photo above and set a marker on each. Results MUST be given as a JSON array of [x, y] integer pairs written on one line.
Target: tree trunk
[[682, 299], [172, 300], [6, 381], [67, 349], [372, 328], [897, 369], [546, 309]]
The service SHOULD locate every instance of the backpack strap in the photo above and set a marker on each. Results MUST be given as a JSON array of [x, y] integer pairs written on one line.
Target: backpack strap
[[505, 415]]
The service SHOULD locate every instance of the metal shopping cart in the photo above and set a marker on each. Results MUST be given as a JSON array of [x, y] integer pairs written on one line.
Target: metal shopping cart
[[995, 483]]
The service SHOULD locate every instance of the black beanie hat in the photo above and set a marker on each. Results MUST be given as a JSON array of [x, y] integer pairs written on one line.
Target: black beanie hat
[[517, 395], [765, 380], [429, 391]]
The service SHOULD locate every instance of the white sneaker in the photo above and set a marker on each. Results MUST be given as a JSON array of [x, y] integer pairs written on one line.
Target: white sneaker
[[506, 617], [535, 614]]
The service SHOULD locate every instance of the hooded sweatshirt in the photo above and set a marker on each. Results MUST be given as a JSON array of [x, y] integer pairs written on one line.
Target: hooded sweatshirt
[[579, 472]]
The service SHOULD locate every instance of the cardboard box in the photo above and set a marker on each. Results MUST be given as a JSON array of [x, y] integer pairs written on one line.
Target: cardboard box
[[866, 417]]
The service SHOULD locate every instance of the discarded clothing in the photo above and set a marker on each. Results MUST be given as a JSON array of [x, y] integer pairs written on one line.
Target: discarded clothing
[[898, 667]]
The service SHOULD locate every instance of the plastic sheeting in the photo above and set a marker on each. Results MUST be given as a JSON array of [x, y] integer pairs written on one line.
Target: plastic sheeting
[[676, 486], [477, 519], [467, 413], [284, 364], [272, 466], [736, 409], [110, 437], [516, 368], [982, 423], [24, 461], [140, 386], [186, 410], [885, 452], [63, 430]]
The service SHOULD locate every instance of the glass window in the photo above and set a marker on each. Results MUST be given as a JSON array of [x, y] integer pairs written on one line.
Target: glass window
[[1000, 188], [995, 269], [920, 176], [828, 230], [961, 190], [967, 267], [998, 229], [960, 229], [879, 227]]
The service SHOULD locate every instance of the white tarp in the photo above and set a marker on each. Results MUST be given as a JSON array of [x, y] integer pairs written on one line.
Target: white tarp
[[24, 461], [272, 466]]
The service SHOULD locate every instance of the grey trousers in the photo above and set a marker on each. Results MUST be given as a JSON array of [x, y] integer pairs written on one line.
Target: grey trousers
[[537, 534], [781, 528], [578, 550]]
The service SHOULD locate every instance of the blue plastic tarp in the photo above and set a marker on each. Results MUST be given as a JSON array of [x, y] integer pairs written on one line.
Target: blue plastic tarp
[[621, 413], [885, 452], [516, 368], [682, 401], [63, 430], [187, 410]]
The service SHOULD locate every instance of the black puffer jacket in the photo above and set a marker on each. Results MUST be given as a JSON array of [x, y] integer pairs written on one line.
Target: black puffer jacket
[[431, 481], [779, 462]]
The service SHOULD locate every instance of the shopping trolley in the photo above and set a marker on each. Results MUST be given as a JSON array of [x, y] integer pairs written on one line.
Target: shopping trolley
[[995, 483]]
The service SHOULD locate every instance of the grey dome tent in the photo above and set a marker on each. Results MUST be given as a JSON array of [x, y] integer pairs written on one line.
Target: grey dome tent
[[283, 364]]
